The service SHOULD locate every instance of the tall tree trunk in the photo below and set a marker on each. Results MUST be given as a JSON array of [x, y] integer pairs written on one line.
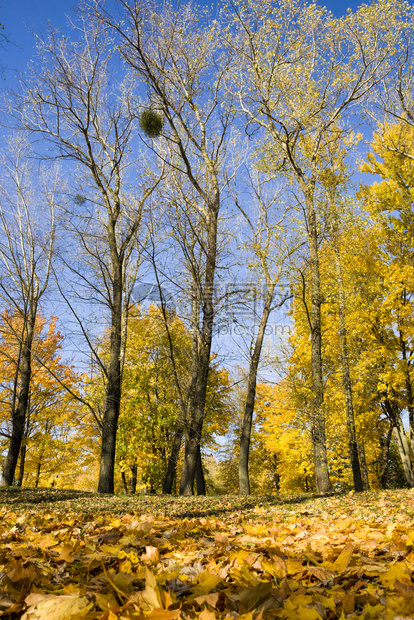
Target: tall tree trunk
[[124, 481], [22, 462], [364, 468], [134, 476], [393, 413], [244, 482], [318, 434], [385, 448], [20, 412], [197, 396], [346, 375], [408, 389], [200, 479], [38, 468], [404, 451], [113, 391]]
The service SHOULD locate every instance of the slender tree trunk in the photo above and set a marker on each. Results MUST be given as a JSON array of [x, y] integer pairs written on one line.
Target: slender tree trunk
[[134, 476], [244, 482], [20, 411], [200, 479], [197, 397], [318, 434], [38, 468], [346, 375], [409, 390], [364, 468], [392, 410], [124, 481], [385, 448], [22, 462], [113, 391], [404, 451]]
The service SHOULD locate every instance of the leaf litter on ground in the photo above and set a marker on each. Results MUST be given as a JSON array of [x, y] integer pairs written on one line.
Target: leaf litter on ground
[[69, 555]]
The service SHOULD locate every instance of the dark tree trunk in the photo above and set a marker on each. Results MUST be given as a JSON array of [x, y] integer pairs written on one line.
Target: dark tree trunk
[[244, 482], [200, 479], [38, 468], [385, 448], [113, 391], [134, 475], [197, 396], [22, 462], [318, 434], [364, 468], [20, 412], [124, 481]]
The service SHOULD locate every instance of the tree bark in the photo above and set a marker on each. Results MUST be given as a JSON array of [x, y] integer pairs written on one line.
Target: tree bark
[[408, 389], [38, 469], [124, 481], [318, 434], [392, 410], [197, 396], [244, 482], [364, 468], [404, 451], [133, 483], [22, 462], [200, 479], [113, 385], [20, 412], [385, 447]]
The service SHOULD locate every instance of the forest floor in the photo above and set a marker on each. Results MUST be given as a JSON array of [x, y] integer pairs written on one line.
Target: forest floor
[[67, 554]]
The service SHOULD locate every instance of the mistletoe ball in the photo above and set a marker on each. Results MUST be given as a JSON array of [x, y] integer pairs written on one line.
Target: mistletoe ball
[[151, 123]]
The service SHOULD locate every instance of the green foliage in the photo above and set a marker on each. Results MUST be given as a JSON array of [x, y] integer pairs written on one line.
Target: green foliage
[[151, 123]]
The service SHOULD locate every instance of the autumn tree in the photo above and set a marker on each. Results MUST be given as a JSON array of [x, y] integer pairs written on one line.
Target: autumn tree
[[151, 401], [299, 72], [53, 416], [390, 204], [27, 239], [269, 244], [76, 99], [179, 55]]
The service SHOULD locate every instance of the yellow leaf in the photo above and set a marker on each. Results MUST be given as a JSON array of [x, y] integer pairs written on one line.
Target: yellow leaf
[[151, 594], [395, 572], [49, 607], [65, 553], [205, 582], [343, 559]]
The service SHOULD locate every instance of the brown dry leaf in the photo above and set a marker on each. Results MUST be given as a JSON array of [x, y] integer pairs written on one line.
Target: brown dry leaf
[[152, 554], [405, 589]]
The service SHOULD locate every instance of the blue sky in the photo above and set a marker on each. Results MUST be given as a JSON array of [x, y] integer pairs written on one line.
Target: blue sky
[[21, 16]]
